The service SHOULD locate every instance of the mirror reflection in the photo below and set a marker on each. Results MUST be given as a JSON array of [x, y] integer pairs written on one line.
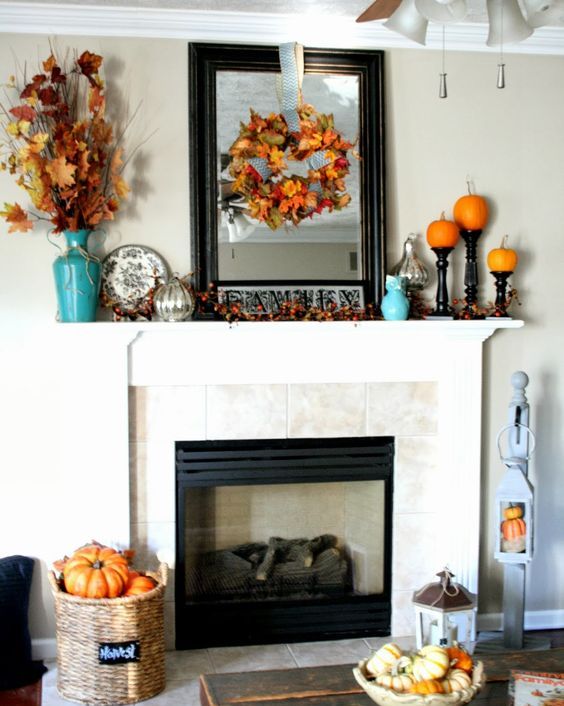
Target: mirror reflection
[[327, 246]]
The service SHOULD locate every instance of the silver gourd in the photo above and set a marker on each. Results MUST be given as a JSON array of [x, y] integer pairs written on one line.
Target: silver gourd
[[411, 267], [174, 301]]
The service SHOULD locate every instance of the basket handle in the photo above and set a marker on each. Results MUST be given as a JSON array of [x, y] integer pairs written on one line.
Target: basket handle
[[53, 581]]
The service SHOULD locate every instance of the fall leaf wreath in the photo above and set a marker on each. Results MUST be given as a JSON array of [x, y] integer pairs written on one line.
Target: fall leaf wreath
[[259, 159]]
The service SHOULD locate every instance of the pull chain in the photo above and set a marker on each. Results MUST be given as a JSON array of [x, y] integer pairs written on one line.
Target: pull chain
[[443, 83], [501, 65]]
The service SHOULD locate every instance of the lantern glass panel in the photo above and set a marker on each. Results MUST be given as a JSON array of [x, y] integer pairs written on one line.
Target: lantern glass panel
[[514, 527]]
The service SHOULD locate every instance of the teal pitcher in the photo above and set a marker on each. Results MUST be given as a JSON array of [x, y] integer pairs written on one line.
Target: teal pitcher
[[395, 304], [77, 279]]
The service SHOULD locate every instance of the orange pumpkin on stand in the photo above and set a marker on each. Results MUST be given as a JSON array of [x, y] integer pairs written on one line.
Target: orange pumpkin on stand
[[502, 259], [471, 211], [442, 233]]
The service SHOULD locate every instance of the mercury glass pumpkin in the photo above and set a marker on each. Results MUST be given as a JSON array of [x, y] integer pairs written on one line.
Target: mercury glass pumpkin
[[174, 301], [411, 267]]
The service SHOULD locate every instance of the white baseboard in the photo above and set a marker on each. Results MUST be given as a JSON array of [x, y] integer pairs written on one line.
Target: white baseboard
[[534, 620], [44, 648]]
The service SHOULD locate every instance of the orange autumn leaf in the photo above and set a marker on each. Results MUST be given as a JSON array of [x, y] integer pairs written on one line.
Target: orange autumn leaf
[[38, 142], [96, 101], [310, 200], [17, 218], [49, 64], [120, 186], [89, 63], [61, 172]]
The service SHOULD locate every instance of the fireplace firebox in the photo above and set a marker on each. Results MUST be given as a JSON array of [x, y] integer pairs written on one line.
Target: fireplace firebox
[[282, 540]]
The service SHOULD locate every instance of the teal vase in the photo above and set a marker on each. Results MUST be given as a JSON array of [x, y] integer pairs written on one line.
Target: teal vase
[[395, 304], [77, 279]]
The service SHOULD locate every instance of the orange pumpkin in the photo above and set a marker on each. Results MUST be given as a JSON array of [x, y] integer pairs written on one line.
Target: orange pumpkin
[[502, 259], [138, 584], [471, 212], [95, 571], [442, 233], [513, 511], [512, 529], [460, 659], [427, 686]]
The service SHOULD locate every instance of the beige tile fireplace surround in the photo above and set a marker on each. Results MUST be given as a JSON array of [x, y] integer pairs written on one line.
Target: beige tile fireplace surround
[[419, 382]]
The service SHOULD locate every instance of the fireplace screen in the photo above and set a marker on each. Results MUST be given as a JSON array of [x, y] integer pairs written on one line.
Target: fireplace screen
[[281, 526]]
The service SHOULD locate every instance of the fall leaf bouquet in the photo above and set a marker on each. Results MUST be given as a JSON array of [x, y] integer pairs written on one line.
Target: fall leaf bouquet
[[57, 142]]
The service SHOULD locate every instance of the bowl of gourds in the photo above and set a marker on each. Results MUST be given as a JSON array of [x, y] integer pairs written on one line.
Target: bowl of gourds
[[433, 676]]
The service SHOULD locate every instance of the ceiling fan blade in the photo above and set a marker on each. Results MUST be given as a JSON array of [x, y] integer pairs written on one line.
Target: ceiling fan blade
[[379, 10]]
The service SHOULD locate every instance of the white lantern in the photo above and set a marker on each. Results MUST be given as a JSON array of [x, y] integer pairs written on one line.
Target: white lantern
[[514, 509], [445, 612]]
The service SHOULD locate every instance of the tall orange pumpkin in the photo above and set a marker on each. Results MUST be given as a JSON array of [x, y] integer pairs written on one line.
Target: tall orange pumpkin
[[471, 211], [95, 571]]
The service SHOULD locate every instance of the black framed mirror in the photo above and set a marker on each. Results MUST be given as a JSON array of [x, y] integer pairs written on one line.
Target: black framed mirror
[[335, 258]]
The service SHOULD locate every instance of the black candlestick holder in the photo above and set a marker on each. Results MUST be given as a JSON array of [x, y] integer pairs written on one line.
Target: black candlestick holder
[[470, 238], [500, 293], [442, 308]]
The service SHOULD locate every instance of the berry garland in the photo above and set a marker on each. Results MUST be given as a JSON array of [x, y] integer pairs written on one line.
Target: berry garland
[[259, 158]]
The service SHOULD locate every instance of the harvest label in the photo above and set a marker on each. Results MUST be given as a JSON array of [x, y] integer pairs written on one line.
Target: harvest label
[[119, 652]]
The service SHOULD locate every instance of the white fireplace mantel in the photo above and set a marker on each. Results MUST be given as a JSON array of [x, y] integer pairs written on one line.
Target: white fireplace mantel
[[118, 355]]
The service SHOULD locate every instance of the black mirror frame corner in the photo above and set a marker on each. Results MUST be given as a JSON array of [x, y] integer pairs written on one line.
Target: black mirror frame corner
[[205, 60]]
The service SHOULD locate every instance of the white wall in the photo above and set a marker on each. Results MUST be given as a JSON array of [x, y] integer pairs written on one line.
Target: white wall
[[509, 142]]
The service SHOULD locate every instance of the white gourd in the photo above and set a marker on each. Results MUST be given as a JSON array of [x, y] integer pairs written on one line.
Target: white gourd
[[455, 680], [431, 662], [382, 660], [397, 682]]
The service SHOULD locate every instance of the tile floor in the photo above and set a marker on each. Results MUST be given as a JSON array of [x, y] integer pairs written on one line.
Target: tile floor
[[184, 667]]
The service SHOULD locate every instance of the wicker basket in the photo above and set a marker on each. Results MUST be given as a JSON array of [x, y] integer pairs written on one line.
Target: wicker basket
[[85, 626]]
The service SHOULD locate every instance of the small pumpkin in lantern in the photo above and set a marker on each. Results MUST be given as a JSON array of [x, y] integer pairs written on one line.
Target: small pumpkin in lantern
[[471, 211], [502, 259], [513, 511], [513, 529], [442, 233], [174, 301]]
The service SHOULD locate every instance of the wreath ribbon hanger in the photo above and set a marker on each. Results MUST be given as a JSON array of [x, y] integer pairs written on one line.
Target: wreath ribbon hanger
[[296, 133], [289, 91]]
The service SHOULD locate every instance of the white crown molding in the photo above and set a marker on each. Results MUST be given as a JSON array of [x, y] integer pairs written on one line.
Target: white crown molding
[[263, 28]]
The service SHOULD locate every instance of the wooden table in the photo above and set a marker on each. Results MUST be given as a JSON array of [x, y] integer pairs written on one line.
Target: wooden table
[[336, 685]]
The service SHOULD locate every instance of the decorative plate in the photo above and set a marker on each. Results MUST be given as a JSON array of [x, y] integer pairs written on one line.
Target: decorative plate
[[129, 272]]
